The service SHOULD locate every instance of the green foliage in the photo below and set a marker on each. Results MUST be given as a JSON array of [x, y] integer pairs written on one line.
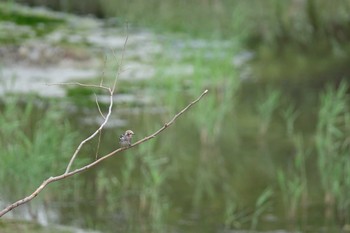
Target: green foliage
[[262, 204], [236, 218], [12, 14], [83, 96], [10, 226], [198, 167], [28, 23], [36, 144], [290, 115], [293, 182], [332, 144], [231, 215], [273, 22], [266, 107]]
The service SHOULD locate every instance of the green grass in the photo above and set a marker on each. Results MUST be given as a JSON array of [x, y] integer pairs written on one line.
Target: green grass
[[28, 23], [12, 14], [211, 168], [293, 181], [266, 108], [10, 226], [274, 23], [194, 168], [333, 147], [32, 136]]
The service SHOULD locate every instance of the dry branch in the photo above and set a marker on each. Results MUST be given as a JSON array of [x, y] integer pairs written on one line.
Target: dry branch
[[93, 134], [81, 84], [79, 170]]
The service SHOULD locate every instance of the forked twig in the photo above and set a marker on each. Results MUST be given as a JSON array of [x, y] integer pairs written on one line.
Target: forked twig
[[79, 170], [93, 134]]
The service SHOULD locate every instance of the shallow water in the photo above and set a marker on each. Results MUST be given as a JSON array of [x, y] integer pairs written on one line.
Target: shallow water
[[215, 170]]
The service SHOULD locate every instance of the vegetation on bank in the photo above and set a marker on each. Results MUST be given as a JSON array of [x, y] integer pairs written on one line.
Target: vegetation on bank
[[30, 24], [292, 39], [10, 226], [273, 22], [289, 142]]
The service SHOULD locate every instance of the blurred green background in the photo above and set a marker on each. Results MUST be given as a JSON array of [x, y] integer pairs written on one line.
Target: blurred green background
[[267, 150]]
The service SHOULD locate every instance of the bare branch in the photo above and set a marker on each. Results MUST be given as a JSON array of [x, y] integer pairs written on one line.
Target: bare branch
[[101, 126], [166, 125], [98, 107], [104, 67], [111, 91], [98, 144], [92, 135], [122, 58], [76, 171], [81, 84]]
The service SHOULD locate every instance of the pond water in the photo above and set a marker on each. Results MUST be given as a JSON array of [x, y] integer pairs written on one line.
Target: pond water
[[246, 158]]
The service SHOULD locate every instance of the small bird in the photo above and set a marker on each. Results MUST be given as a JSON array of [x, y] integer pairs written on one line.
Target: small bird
[[125, 139]]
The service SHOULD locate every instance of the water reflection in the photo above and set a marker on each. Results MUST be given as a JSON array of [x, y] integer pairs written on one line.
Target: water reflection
[[245, 159]]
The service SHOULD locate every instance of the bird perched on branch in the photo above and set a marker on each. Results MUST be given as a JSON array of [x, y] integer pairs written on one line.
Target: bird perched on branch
[[125, 139]]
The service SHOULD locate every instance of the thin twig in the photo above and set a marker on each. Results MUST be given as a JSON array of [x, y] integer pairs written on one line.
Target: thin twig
[[92, 135], [79, 170], [103, 70], [166, 125], [81, 84], [98, 107], [98, 144], [111, 92], [122, 58]]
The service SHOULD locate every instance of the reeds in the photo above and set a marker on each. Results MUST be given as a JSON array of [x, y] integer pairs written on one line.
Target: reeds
[[35, 143], [266, 106], [293, 182], [332, 144]]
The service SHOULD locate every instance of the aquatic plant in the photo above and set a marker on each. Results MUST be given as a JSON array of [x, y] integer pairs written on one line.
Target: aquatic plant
[[70, 172], [332, 144], [290, 115], [266, 106], [262, 204], [293, 181], [32, 148]]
